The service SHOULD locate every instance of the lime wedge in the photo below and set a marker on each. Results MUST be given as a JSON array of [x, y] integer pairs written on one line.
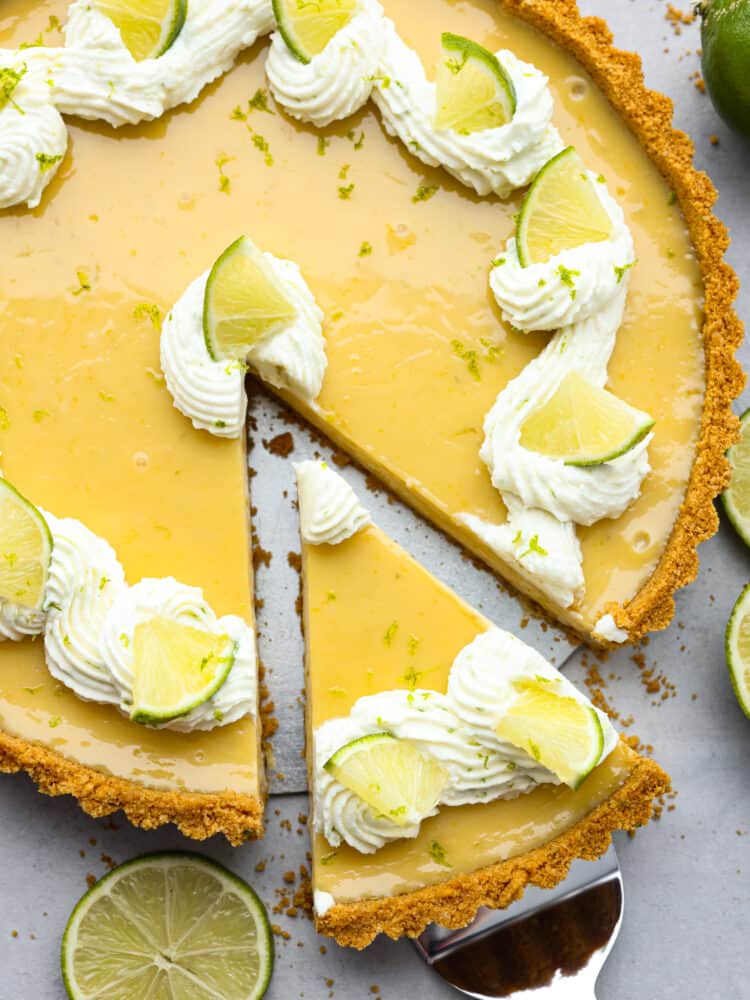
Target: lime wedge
[[172, 926], [561, 210], [176, 667], [584, 425], [559, 732], [307, 26], [736, 497], [25, 549], [737, 645], [147, 27], [392, 776], [473, 91], [244, 302]]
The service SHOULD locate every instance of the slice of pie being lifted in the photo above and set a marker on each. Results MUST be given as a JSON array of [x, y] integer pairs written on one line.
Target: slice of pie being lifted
[[450, 764]]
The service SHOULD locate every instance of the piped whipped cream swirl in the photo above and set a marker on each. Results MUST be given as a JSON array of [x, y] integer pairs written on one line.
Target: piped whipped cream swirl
[[570, 287], [33, 136], [494, 160], [337, 81], [212, 393], [457, 729], [187, 606], [329, 510]]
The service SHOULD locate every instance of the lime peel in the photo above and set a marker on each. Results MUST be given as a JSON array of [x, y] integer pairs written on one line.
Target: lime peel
[[736, 497], [737, 647]]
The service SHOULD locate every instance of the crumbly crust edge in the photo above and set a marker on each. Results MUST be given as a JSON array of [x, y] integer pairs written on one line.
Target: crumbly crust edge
[[197, 815], [619, 75], [454, 903]]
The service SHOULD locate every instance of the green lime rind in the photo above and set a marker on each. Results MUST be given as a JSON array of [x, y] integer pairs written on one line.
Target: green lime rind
[[596, 753], [174, 29], [254, 906], [740, 523], [739, 672], [339, 758], [638, 436], [725, 57], [524, 213], [286, 33], [44, 531], [473, 50], [148, 715]]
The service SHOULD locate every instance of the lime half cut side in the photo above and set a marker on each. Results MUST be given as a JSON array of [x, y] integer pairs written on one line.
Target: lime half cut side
[[243, 302], [736, 497], [147, 27], [584, 425], [307, 26], [392, 776], [176, 668], [25, 549], [559, 732], [737, 644], [473, 90], [561, 210], [171, 926]]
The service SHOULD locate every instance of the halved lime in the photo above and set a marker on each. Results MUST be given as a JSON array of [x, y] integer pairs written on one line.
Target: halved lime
[[307, 26], [561, 210], [473, 91], [737, 645], [171, 926], [25, 549], [147, 27], [244, 302], [584, 425], [177, 667], [392, 776], [736, 497], [557, 731]]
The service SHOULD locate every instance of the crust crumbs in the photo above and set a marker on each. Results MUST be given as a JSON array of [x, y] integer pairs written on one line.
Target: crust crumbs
[[619, 75], [454, 903], [196, 814]]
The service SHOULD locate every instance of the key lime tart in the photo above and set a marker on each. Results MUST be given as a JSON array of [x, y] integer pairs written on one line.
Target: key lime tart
[[531, 340], [450, 764]]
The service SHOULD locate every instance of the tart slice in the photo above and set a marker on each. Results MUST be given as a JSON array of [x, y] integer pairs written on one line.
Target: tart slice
[[450, 764]]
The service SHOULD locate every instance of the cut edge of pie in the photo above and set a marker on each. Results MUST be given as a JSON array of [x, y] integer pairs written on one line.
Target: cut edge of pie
[[454, 903], [648, 114], [197, 815]]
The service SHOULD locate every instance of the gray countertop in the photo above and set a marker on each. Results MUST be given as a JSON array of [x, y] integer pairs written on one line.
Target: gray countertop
[[687, 878]]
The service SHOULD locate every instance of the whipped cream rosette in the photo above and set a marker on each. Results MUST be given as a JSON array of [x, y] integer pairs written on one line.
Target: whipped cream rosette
[[329, 509], [337, 81]]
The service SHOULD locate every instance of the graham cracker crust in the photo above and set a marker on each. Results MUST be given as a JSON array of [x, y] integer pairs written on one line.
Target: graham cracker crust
[[454, 903], [198, 815]]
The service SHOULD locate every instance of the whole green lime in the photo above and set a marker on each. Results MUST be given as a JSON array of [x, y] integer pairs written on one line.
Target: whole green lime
[[725, 37]]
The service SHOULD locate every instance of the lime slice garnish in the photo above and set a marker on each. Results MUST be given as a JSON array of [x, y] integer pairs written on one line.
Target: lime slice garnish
[[392, 776], [25, 549], [736, 497], [561, 210], [176, 668], [584, 425], [307, 26], [737, 644], [557, 731], [473, 91], [244, 302], [171, 926], [147, 27]]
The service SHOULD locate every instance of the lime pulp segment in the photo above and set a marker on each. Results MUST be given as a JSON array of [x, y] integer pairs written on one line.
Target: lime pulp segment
[[473, 90], [243, 302], [307, 27], [584, 425], [171, 926], [176, 668], [561, 210], [737, 645], [25, 549], [147, 27], [392, 776]]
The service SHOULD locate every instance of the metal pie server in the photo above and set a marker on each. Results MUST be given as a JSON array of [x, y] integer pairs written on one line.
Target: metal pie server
[[550, 945]]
